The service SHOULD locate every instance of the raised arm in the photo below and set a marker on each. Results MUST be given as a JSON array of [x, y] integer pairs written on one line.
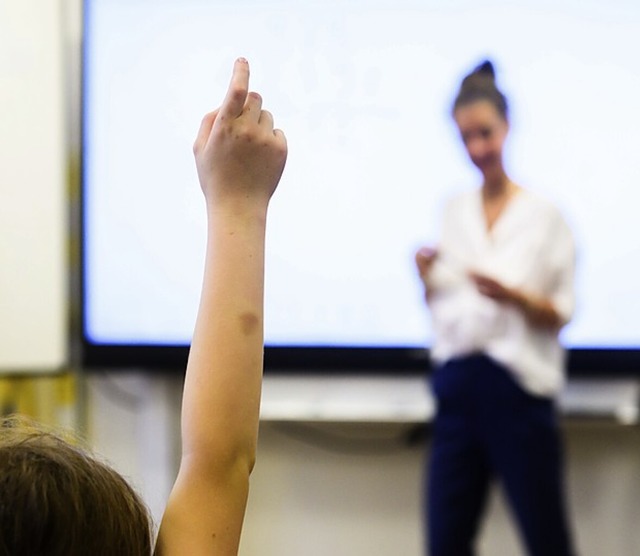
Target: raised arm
[[240, 158]]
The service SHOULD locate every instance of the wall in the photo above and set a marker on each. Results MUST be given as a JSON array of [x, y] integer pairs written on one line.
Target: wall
[[350, 489], [33, 300], [312, 496], [354, 489]]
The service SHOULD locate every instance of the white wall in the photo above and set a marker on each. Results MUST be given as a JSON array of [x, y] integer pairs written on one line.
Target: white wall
[[33, 225], [315, 497], [355, 489]]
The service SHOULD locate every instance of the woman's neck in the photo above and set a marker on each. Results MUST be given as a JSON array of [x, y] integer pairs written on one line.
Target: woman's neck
[[497, 186], [496, 195]]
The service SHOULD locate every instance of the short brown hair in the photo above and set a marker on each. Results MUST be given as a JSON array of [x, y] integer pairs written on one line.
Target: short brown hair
[[480, 84], [57, 499]]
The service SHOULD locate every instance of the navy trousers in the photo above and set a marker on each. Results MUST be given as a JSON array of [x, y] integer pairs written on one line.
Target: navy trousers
[[488, 427]]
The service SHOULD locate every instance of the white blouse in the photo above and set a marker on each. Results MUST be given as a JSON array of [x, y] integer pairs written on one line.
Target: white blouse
[[531, 248]]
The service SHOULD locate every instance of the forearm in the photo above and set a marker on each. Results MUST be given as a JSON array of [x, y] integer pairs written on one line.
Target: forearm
[[538, 311], [224, 372]]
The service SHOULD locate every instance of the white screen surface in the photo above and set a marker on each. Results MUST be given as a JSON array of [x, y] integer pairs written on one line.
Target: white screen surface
[[362, 91]]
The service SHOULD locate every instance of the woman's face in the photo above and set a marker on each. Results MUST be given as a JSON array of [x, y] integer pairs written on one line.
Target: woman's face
[[483, 131]]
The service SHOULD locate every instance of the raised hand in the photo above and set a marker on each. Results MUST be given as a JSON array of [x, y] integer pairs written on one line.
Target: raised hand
[[239, 155]]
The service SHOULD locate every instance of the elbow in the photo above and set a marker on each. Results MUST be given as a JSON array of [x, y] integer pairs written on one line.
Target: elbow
[[551, 321], [244, 456], [251, 463], [217, 459]]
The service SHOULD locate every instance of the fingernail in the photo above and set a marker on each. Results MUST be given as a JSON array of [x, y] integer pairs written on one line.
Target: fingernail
[[242, 60]]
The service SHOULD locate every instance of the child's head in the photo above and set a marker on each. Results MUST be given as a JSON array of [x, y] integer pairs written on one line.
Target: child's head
[[55, 499]]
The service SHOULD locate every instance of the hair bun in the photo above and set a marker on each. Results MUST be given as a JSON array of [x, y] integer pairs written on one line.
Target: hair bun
[[486, 69], [480, 84], [482, 73]]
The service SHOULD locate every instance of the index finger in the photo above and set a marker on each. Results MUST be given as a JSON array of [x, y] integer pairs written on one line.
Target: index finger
[[233, 102]]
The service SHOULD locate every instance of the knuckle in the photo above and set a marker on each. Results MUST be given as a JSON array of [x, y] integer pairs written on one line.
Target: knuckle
[[281, 149], [208, 118], [245, 134], [238, 93]]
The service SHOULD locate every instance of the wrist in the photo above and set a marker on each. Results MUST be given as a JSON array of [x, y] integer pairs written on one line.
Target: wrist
[[523, 302], [238, 208]]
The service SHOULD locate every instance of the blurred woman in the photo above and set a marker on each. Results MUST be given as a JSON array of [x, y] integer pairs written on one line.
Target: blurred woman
[[500, 286]]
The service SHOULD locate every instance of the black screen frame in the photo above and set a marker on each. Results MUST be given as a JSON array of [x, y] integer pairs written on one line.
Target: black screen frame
[[581, 362]]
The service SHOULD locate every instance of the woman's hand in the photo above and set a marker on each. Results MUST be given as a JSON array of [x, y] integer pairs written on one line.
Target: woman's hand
[[425, 257], [539, 311], [492, 288]]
